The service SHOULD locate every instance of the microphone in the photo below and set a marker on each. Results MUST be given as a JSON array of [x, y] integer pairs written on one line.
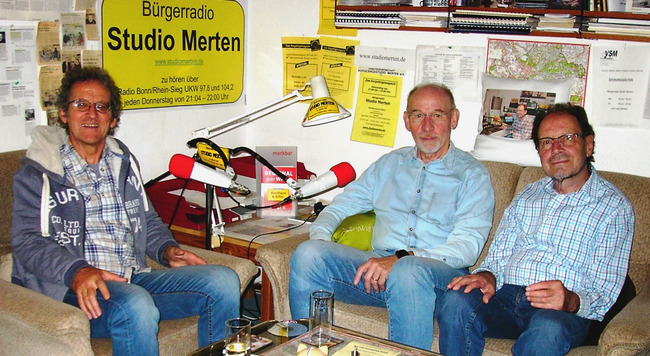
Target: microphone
[[338, 176], [186, 167]]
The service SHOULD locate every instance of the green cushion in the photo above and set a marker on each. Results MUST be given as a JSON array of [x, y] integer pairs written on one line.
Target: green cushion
[[356, 231]]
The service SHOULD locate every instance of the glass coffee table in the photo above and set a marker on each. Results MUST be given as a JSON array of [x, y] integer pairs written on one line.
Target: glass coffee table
[[366, 345]]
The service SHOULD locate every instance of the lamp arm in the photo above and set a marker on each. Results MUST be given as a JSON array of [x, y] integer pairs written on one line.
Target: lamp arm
[[289, 99]]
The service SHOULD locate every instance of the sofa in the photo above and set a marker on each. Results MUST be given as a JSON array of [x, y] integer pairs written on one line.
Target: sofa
[[628, 333], [35, 324]]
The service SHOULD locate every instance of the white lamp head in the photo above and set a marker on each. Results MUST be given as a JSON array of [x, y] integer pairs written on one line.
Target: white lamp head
[[322, 109]]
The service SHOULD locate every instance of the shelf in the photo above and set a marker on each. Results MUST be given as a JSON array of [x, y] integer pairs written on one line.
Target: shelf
[[412, 28], [582, 16], [555, 34], [606, 36], [616, 15], [517, 10]]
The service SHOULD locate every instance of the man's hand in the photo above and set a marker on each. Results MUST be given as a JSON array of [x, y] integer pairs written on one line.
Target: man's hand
[[375, 272], [178, 257], [483, 280], [552, 295], [86, 283]]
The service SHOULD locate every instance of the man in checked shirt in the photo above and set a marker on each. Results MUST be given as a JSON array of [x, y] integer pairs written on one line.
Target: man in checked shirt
[[522, 124], [559, 257]]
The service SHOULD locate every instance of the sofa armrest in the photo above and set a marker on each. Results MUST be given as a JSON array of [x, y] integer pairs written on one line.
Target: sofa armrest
[[43, 325], [628, 333], [274, 258], [245, 269]]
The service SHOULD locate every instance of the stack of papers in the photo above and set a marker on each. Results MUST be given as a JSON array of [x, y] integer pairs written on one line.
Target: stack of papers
[[425, 19], [488, 21], [632, 27], [368, 19], [558, 23]]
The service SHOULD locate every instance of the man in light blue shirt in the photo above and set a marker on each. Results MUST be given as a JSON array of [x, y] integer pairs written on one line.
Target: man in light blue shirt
[[558, 260], [434, 205]]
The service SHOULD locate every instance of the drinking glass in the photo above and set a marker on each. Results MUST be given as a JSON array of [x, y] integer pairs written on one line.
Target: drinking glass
[[321, 313], [238, 337]]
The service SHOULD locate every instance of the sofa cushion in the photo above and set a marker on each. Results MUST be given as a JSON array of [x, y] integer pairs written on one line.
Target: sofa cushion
[[637, 191], [356, 231], [6, 264], [628, 292], [175, 337], [10, 163]]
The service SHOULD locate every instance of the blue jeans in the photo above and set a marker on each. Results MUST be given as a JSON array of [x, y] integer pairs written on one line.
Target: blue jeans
[[411, 288], [130, 316], [465, 320]]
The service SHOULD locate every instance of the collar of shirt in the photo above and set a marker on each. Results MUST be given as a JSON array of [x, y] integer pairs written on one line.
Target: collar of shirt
[[79, 165], [448, 160], [590, 188]]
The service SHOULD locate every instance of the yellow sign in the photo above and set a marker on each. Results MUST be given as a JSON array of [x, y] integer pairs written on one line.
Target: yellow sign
[[275, 194], [377, 112], [301, 62], [338, 68], [174, 52], [333, 58], [211, 156], [326, 23], [320, 106]]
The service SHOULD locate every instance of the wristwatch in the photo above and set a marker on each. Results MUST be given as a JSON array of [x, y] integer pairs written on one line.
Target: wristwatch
[[402, 253]]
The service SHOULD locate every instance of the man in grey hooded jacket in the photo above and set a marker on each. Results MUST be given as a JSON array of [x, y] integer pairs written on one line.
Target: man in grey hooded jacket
[[82, 223]]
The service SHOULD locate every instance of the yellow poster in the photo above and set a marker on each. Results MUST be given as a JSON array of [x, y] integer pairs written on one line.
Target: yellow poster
[[301, 58], [337, 57], [174, 52], [378, 109], [326, 23]]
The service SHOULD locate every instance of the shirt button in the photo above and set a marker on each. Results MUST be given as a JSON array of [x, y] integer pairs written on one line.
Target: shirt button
[[412, 211], [410, 229], [418, 191], [424, 168]]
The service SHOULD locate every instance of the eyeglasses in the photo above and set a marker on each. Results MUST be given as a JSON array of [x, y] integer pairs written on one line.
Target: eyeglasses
[[417, 116], [83, 105], [567, 140]]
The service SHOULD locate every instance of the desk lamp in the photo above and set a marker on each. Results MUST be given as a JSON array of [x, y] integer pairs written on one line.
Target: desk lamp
[[322, 109]]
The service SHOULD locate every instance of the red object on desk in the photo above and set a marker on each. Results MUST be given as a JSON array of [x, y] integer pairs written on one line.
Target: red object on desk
[[190, 215], [245, 166]]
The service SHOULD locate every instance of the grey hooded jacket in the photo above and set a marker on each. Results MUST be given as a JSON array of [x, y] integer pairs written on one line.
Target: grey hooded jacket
[[48, 225]]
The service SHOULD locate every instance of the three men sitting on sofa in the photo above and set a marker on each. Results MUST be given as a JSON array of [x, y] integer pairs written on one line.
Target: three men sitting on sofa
[[559, 258]]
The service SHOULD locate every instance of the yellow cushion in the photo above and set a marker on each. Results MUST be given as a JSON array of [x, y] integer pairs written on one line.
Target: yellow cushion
[[356, 231]]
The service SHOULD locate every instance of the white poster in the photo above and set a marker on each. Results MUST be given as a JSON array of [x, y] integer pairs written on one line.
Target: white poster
[[455, 66], [621, 81], [18, 85]]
